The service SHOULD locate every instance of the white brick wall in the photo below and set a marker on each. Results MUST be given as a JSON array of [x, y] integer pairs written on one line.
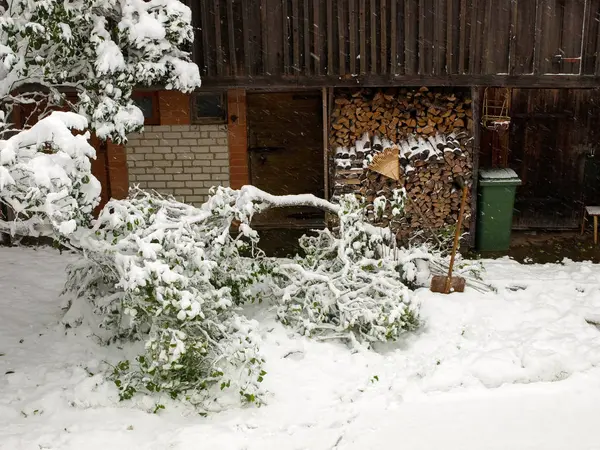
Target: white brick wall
[[180, 160]]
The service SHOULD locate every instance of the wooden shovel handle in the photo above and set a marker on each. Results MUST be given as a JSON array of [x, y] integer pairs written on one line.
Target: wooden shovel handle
[[463, 200]]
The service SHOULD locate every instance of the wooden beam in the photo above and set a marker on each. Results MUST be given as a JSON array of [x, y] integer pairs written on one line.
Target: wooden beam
[[317, 47], [422, 15], [285, 21], [393, 37], [206, 45], [329, 26], [476, 101], [246, 34], [512, 46], [231, 43], [517, 81], [383, 33], [410, 47], [218, 44], [325, 142], [373, 37], [341, 28], [296, 37], [537, 42], [362, 31], [307, 34], [597, 67], [474, 40], [449, 36], [462, 38], [352, 35]]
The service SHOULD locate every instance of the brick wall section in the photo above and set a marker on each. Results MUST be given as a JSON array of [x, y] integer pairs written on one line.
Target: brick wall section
[[180, 160], [174, 107]]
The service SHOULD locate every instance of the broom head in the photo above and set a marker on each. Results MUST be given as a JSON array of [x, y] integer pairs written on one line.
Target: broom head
[[387, 163]]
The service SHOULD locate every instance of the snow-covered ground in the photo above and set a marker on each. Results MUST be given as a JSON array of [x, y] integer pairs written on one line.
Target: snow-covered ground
[[512, 370]]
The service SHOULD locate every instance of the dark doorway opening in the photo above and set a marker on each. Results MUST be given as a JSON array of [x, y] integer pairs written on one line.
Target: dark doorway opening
[[285, 144]]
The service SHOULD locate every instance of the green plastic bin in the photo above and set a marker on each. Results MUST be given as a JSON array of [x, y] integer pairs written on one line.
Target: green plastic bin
[[496, 200]]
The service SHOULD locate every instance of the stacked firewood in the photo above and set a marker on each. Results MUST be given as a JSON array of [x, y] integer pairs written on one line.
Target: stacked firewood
[[398, 113], [430, 159]]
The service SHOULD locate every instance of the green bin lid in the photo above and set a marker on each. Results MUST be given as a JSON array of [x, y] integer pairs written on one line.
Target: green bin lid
[[499, 176]]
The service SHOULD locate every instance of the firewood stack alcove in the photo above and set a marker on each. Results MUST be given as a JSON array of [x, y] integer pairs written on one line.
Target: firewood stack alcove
[[432, 129]]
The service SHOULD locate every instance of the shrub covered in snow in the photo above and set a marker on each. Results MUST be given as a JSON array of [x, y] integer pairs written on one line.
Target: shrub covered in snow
[[46, 179], [350, 284], [171, 275]]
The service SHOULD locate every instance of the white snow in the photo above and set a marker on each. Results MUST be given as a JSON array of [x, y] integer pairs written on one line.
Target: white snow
[[498, 174], [507, 370]]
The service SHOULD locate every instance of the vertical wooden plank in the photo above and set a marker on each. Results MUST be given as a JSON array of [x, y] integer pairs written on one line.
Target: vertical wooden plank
[[393, 43], [410, 37], [476, 102], [317, 48], [597, 67], [590, 51], [372, 12], [218, 44], [264, 37], [474, 44], [512, 46], [439, 45], [306, 38], [341, 28], [246, 34], [330, 63], [488, 37], [286, 37], [450, 36], [362, 32], [537, 42], [296, 37], [208, 64], [231, 43], [325, 141], [352, 37], [462, 38], [422, 12], [383, 31]]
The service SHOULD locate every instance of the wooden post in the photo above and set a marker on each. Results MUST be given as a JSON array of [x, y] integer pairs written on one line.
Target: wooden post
[[325, 142], [476, 102], [595, 230]]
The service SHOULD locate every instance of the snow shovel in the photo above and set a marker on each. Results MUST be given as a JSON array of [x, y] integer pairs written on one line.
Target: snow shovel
[[446, 284]]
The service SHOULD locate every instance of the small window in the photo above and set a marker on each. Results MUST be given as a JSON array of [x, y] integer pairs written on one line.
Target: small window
[[148, 103], [209, 107]]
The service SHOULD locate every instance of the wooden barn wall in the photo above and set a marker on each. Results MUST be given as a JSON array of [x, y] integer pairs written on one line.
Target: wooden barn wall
[[337, 42], [554, 134]]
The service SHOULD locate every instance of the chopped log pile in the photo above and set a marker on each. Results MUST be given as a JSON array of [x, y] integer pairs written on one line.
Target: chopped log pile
[[431, 132]]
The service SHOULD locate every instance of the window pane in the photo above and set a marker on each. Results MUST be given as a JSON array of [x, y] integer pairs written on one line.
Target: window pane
[[146, 105], [209, 106]]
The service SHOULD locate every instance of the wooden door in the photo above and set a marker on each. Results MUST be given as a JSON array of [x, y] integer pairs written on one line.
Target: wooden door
[[285, 139], [551, 136]]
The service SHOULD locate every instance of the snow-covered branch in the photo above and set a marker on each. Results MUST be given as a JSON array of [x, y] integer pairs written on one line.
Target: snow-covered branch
[[101, 49], [46, 179]]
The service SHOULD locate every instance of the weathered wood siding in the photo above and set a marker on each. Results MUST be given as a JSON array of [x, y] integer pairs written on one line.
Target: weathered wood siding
[[553, 136], [384, 42]]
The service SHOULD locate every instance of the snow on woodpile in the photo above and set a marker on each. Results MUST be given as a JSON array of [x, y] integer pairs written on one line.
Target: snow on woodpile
[[428, 167], [432, 131]]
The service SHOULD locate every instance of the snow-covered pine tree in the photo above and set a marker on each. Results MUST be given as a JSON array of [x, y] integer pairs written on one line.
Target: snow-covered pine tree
[[99, 50]]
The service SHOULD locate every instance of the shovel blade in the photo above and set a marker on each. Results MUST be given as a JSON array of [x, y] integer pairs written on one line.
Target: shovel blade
[[438, 284]]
